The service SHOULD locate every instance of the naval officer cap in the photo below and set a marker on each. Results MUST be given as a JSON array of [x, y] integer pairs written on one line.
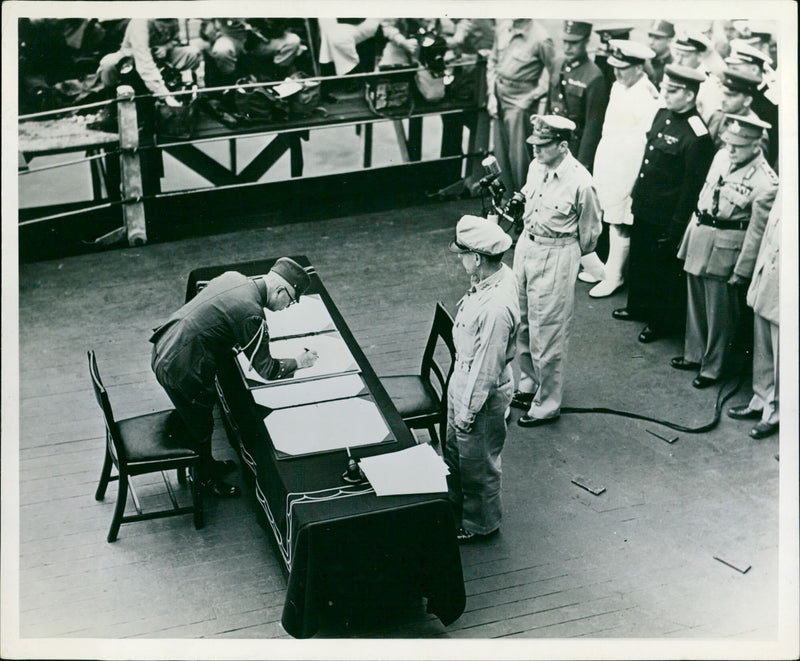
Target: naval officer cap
[[693, 42], [680, 76], [742, 130], [741, 81], [742, 52], [576, 31], [293, 273], [625, 53], [662, 28], [614, 31], [547, 128], [476, 234]]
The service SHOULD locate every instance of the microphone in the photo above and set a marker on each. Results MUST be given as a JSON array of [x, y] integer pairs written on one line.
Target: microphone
[[492, 169]]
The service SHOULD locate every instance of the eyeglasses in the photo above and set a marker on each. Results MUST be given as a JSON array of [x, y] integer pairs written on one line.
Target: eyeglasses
[[542, 145], [292, 300]]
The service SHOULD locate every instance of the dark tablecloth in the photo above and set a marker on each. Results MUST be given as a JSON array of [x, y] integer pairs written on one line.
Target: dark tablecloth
[[340, 544]]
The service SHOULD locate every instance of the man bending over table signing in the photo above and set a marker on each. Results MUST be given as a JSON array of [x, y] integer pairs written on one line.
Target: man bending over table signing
[[480, 390], [227, 313]]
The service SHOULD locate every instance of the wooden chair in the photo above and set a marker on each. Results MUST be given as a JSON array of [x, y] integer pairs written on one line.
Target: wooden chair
[[421, 403], [155, 442]]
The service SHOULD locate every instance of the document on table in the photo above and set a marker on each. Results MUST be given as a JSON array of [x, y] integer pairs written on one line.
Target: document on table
[[322, 390], [309, 316], [417, 469], [334, 357], [327, 426]]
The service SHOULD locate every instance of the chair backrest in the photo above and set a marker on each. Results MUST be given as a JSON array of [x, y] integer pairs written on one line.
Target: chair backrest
[[101, 394], [441, 331]]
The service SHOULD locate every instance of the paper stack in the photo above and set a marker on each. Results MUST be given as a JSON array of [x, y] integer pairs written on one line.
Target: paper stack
[[417, 469]]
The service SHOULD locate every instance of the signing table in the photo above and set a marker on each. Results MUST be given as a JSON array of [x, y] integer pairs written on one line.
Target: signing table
[[340, 544]]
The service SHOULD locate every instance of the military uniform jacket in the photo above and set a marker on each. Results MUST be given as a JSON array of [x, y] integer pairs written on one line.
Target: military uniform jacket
[[676, 159], [745, 193], [229, 312], [655, 68], [764, 292], [579, 91]]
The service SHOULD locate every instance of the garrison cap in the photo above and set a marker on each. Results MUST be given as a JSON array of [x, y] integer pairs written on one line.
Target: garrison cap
[[661, 28], [625, 53], [476, 234], [739, 81], [547, 128], [741, 51], [693, 42], [576, 31], [293, 273], [681, 76], [614, 31], [742, 130]]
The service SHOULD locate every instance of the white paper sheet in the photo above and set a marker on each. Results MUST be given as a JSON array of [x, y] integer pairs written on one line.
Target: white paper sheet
[[326, 426], [309, 316], [308, 392], [334, 357], [417, 469]]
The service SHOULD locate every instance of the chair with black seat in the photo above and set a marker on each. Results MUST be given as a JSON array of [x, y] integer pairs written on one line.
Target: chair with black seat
[[421, 403], [150, 443]]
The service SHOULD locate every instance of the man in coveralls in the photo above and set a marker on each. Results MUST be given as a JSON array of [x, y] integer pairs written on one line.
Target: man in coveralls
[[579, 92], [721, 244], [517, 77], [228, 312], [561, 222], [676, 159], [763, 296], [480, 389]]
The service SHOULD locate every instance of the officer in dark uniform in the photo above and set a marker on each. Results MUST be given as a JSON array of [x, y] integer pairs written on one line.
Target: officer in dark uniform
[[739, 88], [661, 34], [677, 156], [606, 34], [579, 92], [748, 59]]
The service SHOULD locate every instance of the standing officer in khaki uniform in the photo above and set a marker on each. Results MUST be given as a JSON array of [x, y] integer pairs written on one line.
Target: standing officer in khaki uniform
[[517, 77], [721, 244], [579, 92], [764, 297], [562, 222]]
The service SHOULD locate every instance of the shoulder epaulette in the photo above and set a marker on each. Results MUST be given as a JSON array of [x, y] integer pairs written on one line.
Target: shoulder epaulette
[[698, 126]]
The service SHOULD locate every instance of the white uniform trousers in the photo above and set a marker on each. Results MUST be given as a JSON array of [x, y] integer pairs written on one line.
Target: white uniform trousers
[[510, 130], [766, 369], [546, 269], [712, 315]]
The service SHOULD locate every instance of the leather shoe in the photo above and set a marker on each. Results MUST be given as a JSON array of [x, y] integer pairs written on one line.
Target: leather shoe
[[680, 363], [744, 412], [701, 382], [529, 421], [522, 400], [467, 537], [647, 335], [622, 314], [220, 489], [222, 466], [763, 429]]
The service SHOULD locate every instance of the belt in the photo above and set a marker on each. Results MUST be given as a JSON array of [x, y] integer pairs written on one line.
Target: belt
[[720, 223], [553, 240], [516, 82]]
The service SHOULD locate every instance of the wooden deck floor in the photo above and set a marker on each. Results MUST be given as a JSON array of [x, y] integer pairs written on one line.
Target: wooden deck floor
[[635, 562]]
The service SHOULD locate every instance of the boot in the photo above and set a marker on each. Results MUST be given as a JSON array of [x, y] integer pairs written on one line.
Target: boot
[[593, 268], [618, 248]]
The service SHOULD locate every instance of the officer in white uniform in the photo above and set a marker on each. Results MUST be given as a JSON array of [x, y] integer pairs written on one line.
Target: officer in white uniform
[[631, 108]]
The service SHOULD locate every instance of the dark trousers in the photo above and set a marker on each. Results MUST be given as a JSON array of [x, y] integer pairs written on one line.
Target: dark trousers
[[656, 282]]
